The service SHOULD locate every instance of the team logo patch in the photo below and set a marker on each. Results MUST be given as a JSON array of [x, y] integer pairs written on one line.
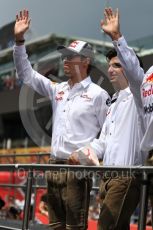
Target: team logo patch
[[59, 96], [74, 44], [108, 102], [148, 92], [86, 97], [150, 78], [149, 108]]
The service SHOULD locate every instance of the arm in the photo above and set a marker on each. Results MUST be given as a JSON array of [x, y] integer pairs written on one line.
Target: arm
[[126, 55], [101, 105], [89, 154], [147, 143], [99, 145], [28, 75], [23, 67]]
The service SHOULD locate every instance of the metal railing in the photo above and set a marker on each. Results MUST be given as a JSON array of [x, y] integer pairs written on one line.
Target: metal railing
[[144, 171]]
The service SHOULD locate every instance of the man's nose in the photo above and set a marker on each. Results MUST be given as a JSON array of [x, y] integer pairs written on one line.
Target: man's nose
[[65, 61], [110, 69]]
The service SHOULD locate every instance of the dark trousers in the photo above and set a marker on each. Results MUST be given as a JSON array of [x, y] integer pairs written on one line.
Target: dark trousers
[[119, 198], [68, 199]]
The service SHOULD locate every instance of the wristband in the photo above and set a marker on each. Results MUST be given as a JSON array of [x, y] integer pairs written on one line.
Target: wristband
[[20, 41]]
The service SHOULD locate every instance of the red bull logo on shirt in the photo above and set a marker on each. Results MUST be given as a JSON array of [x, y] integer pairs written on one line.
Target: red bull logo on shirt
[[59, 96], [147, 92], [150, 78]]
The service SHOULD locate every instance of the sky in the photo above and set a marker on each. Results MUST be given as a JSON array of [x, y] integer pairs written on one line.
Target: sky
[[81, 18]]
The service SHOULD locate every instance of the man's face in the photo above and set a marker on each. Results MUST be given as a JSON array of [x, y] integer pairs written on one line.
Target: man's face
[[73, 66], [115, 73]]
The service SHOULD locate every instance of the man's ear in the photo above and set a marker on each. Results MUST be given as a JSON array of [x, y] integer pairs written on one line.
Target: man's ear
[[86, 61]]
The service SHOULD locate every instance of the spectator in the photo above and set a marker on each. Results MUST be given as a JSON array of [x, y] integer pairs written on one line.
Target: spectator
[[43, 208]]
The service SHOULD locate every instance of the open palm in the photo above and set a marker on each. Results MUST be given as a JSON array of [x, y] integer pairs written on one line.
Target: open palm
[[110, 24], [22, 23]]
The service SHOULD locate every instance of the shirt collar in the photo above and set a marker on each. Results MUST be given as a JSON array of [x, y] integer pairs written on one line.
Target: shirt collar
[[125, 92], [84, 83], [120, 93]]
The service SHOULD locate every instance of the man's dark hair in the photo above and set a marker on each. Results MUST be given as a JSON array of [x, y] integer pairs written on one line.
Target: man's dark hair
[[112, 53]]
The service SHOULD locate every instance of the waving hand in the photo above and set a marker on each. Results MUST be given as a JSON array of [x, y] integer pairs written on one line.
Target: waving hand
[[110, 24], [21, 25]]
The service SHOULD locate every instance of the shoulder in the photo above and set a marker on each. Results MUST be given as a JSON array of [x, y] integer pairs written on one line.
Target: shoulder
[[99, 94], [150, 70], [97, 90], [148, 75], [58, 86]]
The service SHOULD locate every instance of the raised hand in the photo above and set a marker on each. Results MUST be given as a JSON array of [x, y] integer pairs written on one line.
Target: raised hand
[[110, 24], [22, 24]]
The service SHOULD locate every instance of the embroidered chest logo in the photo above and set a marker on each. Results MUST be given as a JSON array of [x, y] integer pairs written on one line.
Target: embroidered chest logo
[[86, 97], [59, 96]]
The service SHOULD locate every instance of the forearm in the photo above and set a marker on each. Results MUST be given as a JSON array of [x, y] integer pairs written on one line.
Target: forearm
[[23, 66], [115, 36], [19, 40], [131, 66], [98, 146], [27, 74], [127, 56], [129, 62], [89, 154], [101, 105]]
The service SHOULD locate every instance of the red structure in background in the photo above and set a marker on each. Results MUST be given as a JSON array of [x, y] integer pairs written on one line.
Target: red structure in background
[[18, 178], [93, 226]]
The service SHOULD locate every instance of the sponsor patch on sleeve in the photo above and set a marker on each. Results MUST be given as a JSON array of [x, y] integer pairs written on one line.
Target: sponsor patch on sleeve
[[108, 102]]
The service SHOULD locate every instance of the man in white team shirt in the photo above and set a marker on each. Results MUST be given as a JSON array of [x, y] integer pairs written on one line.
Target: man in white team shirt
[[119, 144], [141, 85], [79, 110]]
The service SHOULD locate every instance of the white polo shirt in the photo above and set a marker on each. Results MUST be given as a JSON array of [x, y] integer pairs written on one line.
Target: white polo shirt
[[78, 112], [138, 80]]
